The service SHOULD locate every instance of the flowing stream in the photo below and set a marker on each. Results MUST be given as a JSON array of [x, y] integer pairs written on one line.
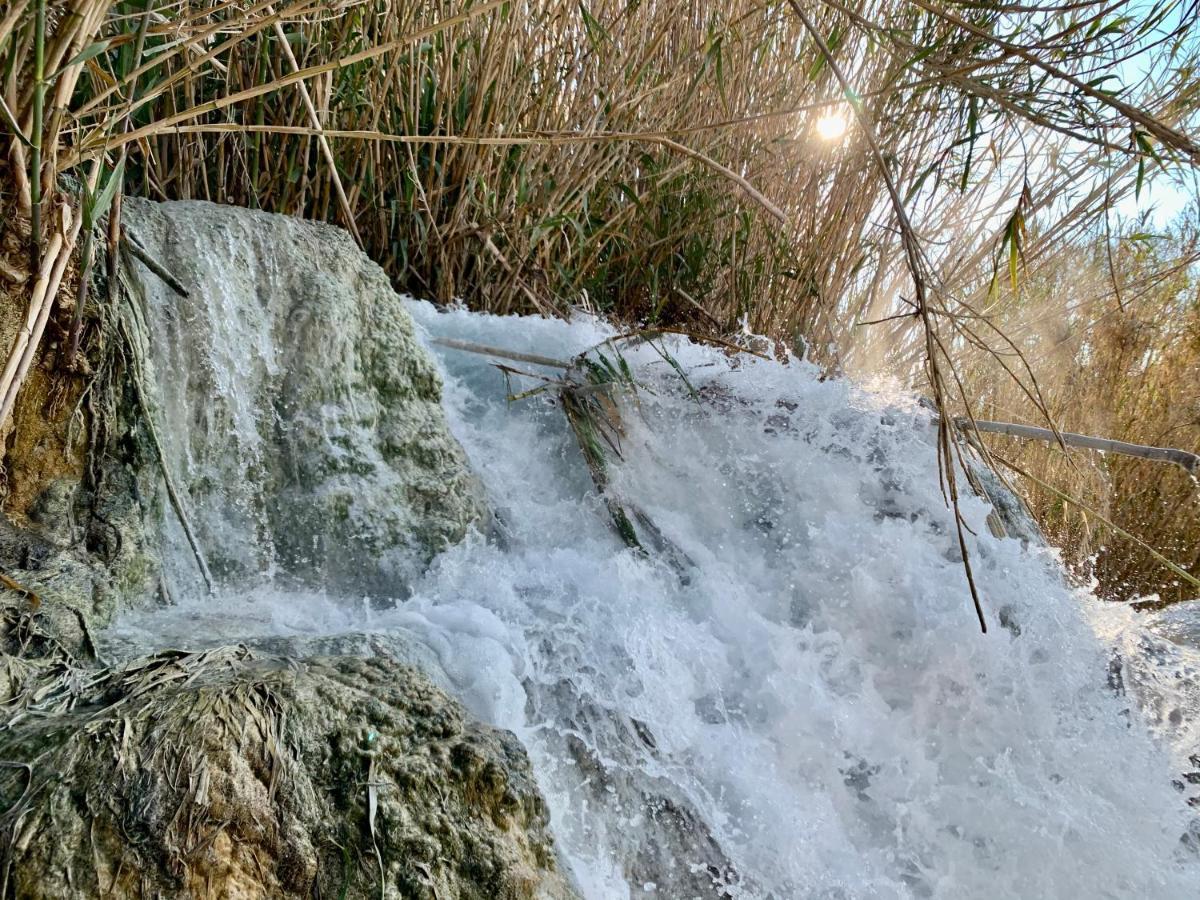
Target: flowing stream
[[804, 708]]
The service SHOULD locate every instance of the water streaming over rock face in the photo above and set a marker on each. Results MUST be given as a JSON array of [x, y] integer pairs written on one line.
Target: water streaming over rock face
[[810, 712], [295, 408]]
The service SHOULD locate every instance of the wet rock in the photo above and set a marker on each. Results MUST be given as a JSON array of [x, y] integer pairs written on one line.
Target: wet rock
[[672, 851], [229, 774], [80, 549], [396, 644], [1010, 516], [1156, 666], [302, 417], [69, 586]]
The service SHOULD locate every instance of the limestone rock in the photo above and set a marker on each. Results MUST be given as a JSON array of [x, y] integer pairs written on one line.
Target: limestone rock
[[617, 756], [303, 416], [226, 774]]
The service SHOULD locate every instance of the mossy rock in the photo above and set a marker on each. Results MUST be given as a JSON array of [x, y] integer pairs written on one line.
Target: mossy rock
[[301, 415], [228, 774]]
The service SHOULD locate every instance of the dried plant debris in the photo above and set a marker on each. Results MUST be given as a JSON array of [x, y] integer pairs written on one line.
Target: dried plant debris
[[591, 390], [227, 774]]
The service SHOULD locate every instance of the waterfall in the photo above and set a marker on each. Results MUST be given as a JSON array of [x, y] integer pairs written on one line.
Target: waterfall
[[809, 711], [297, 413]]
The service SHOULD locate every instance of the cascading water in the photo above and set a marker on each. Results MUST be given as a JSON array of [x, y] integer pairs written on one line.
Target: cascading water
[[295, 409], [810, 711]]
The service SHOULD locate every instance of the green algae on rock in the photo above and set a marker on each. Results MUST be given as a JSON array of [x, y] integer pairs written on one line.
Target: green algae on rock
[[302, 416], [226, 774]]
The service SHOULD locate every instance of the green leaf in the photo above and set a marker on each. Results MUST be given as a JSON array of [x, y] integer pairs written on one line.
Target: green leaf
[[918, 57], [834, 41], [1117, 26], [973, 128], [595, 31], [719, 71], [1014, 256], [11, 121], [1014, 238], [1143, 143], [158, 49], [626, 374], [629, 194], [89, 52], [920, 181], [104, 199], [674, 364]]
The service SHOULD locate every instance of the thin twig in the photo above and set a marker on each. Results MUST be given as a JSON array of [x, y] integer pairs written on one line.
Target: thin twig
[[484, 350], [13, 585], [141, 255], [322, 140], [484, 141], [913, 256], [172, 492]]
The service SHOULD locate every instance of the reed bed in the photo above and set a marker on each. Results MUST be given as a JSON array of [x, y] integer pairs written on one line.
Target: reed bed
[[655, 160], [1126, 366]]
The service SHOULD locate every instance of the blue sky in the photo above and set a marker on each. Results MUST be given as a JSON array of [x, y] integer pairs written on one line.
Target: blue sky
[[1163, 198], [1166, 195]]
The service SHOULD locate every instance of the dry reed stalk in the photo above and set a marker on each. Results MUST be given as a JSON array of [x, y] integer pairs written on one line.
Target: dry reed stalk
[[501, 353], [25, 332], [505, 50], [1189, 462], [17, 170], [347, 212], [518, 140], [138, 252], [9, 23], [168, 123], [45, 292]]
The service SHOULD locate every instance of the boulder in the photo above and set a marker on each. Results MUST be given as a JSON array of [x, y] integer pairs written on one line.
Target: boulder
[[236, 775], [300, 417]]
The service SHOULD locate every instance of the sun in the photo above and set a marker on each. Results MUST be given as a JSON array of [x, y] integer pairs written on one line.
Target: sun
[[832, 126]]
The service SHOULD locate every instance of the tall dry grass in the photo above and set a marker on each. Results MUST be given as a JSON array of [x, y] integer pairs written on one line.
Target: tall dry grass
[[524, 156], [1114, 332], [655, 160]]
